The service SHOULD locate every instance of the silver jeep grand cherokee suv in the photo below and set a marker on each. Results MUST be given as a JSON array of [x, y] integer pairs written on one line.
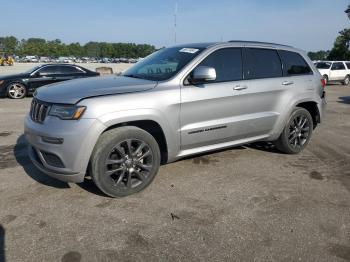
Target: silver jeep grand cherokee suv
[[179, 101]]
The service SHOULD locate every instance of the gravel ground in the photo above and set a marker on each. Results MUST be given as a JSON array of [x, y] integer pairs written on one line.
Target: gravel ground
[[248, 203]]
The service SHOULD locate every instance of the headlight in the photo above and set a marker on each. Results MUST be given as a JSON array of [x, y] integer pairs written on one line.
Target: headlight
[[1, 82], [67, 111]]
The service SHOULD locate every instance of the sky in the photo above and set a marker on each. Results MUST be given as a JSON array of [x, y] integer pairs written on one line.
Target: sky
[[307, 24]]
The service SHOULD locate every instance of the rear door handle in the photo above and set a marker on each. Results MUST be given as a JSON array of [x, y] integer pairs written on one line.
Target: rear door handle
[[287, 83], [239, 87]]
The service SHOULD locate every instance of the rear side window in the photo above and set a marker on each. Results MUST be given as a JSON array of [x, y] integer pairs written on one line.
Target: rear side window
[[69, 70], [262, 63], [338, 66], [294, 64], [227, 63]]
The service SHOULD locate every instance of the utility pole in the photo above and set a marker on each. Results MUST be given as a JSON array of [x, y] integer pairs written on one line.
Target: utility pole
[[175, 21]]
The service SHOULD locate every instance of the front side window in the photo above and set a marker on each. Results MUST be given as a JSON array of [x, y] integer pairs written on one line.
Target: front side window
[[348, 65], [338, 66], [227, 63], [163, 64], [262, 63], [293, 64], [48, 70]]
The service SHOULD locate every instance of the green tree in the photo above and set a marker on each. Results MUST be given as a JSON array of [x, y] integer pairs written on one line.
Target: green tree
[[318, 55], [340, 49]]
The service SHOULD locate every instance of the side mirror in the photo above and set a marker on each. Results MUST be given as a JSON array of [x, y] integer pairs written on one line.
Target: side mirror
[[203, 74], [37, 73]]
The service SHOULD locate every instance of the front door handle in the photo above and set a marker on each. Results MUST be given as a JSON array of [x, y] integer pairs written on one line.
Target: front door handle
[[239, 87], [287, 83]]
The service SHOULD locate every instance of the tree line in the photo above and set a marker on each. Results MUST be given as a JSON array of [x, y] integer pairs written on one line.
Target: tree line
[[341, 48], [56, 48]]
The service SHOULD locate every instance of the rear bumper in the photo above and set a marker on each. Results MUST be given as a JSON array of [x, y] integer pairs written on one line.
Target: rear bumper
[[322, 107]]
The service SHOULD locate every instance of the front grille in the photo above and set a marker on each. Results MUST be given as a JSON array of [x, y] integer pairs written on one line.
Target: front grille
[[38, 111]]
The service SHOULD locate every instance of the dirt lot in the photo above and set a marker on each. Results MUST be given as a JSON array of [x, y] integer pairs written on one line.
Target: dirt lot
[[244, 204]]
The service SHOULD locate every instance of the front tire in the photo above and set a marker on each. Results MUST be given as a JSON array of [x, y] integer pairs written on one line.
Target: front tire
[[16, 91], [346, 81], [297, 132], [125, 161]]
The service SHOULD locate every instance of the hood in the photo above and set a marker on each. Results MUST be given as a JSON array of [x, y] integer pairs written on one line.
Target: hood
[[70, 92], [16, 76]]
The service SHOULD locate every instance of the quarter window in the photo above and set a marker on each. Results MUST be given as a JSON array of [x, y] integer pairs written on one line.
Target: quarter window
[[227, 63], [338, 66], [294, 64], [262, 63]]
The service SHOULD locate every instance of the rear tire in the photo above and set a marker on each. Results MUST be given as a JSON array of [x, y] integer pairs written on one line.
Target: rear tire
[[346, 81], [297, 132], [125, 161]]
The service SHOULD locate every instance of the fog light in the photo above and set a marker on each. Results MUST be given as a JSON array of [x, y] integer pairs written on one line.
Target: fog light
[[52, 140]]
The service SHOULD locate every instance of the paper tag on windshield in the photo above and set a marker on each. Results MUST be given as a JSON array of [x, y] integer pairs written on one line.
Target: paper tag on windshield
[[189, 50]]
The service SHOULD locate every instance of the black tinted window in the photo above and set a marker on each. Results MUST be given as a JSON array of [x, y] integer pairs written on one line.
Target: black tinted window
[[338, 66], [348, 65], [227, 63], [262, 63], [69, 70], [48, 70], [323, 65], [293, 64]]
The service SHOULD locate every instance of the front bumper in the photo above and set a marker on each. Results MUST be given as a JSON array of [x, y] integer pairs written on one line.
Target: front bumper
[[68, 160]]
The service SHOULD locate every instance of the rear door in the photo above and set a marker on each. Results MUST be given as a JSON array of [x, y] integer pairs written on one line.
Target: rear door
[[254, 106], [68, 72], [338, 71]]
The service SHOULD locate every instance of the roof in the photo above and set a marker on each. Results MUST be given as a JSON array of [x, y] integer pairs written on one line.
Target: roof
[[209, 44]]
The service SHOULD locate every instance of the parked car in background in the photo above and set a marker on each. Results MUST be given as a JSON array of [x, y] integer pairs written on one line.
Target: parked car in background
[[334, 71], [177, 102], [20, 85], [30, 59]]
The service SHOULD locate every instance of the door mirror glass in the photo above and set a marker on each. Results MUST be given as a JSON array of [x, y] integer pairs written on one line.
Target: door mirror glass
[[203, 74]]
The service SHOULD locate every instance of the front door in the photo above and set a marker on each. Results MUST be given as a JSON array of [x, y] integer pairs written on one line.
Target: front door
[[207, 108]]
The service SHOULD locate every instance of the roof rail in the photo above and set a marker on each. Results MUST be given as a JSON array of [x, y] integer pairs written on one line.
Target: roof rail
[[257, 42]]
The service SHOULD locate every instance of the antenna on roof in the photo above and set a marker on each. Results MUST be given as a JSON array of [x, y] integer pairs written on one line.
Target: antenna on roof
[[175, 21]]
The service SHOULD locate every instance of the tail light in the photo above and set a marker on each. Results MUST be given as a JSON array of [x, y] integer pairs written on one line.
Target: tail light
[[323, 82]]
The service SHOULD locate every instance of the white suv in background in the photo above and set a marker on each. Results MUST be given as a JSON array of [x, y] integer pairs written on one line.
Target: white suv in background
[[338, 71]]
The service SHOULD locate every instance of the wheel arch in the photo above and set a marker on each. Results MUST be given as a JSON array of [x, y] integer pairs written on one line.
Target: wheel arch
[[151, 127], [312, 108]]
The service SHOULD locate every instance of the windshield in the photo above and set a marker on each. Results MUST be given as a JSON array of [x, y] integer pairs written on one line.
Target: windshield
[[32, 70], [163, 64], [323, 65]]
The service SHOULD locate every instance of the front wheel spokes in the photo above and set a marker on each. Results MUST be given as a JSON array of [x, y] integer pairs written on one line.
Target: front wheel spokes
[[139, 149], [143, 166], [113, 171]]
